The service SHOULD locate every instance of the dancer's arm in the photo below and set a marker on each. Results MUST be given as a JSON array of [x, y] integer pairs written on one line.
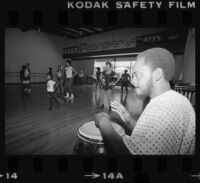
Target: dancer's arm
[[74, 73], [118, 78]]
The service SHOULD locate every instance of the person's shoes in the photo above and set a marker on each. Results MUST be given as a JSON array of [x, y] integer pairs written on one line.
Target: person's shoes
[[58, 105], [50, 108]]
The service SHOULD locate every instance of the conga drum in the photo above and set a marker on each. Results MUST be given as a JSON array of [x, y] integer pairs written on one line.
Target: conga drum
[[90, 141]]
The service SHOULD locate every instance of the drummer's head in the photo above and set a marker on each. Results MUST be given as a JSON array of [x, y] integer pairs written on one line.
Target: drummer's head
[[108, 65], [152, 71]]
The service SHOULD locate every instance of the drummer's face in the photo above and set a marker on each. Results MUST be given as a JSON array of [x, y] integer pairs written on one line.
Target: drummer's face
[[142, 78]]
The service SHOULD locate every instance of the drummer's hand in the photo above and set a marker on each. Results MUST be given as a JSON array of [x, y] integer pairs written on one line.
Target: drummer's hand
[[100, 116], [121, 111]]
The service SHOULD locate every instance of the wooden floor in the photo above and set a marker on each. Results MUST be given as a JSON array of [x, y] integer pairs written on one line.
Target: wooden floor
[[30, 128]]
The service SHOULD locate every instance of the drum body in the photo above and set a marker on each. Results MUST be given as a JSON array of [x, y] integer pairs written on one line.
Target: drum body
[[90, 141]]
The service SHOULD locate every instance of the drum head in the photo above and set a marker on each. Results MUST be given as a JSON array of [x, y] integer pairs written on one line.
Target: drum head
[[89, 131]]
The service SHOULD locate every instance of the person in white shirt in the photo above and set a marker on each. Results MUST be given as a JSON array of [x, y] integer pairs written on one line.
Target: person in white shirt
[[69, 75], [108, 84], [51, 87], [167, 124]]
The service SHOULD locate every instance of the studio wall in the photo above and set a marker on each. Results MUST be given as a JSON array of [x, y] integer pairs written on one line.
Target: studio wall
[[45, 50], [189, 58], [40, 50]]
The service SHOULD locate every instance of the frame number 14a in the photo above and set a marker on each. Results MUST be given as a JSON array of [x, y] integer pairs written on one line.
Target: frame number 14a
[[104, 175]]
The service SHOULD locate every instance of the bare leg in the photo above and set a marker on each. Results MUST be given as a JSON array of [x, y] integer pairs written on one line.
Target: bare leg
[[101, 101], [107, 99]]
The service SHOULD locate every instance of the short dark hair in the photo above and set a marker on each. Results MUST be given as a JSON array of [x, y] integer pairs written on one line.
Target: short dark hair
[[108, 63], [160, 58]]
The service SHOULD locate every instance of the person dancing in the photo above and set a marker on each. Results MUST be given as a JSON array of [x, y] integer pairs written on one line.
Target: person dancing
[[125, 79], [27, 78], [69, 75], [51, 87], [98, 74], [108, 85], [22, 77], [60, 79]]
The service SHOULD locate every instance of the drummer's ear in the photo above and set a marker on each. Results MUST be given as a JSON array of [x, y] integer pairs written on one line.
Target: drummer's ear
[[96, 123]]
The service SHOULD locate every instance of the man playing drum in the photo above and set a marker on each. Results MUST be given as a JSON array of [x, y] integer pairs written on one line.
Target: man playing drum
[[167, 124]]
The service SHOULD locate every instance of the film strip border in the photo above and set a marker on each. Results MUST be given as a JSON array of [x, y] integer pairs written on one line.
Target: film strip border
[[103, 18], [124, 169], [131, 169]]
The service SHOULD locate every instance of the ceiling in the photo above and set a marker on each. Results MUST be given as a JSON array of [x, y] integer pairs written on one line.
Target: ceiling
[[75, 32], [78, 32]]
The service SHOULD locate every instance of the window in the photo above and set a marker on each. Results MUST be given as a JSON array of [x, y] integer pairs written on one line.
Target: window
[[118, 66]]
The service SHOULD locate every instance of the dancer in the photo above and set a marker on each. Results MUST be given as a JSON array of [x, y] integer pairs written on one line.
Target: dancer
[[27, 78], [69, 73], [108, 85], [21, 73], [50, 72], [98, 80], [59, 76], [125, 79], [51, 88], [81, 77]]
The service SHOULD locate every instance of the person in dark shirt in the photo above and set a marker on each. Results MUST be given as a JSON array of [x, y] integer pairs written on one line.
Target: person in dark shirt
[[50, 72], [98, 80], [107, 80], [125, 79], [21, 73], [27, 78], [59, 75]]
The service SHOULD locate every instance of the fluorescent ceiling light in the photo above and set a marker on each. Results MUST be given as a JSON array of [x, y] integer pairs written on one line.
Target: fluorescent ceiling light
[[73, 30], [87, 30], [69, 33], [97, 28]]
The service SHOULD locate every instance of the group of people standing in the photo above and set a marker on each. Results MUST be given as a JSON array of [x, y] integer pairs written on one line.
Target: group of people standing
[[64, 84], [106, 81]]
